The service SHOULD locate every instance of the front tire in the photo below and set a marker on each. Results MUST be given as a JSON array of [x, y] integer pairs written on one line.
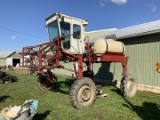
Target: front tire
[[82, 93], [128, 86]]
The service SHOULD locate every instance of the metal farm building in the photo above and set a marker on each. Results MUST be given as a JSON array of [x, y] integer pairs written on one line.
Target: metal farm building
[[9, 58]]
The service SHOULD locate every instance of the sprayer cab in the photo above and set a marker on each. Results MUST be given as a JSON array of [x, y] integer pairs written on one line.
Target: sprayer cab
[[72, 29]]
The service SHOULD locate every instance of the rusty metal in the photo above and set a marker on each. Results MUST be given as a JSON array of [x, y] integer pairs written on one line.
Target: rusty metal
[[38, 54]]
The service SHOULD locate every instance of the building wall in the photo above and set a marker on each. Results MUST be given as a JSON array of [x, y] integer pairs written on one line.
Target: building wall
[[2, 61], [9, 61], [144, 53], [15, 55]]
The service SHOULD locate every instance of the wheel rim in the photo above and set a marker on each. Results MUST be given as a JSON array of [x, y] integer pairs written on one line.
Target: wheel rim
[[129, 85], [84, 94]]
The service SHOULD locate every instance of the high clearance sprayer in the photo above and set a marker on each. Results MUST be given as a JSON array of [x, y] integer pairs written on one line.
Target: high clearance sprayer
[[69, 44]]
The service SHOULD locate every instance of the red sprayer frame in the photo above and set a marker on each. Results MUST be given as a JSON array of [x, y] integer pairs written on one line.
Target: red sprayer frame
[[38, 55]]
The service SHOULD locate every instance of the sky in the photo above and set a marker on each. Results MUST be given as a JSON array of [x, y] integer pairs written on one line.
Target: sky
[[22, 22]]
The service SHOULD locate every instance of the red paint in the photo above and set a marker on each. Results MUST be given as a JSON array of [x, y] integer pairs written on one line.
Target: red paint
[[22, 56], [53, 60]]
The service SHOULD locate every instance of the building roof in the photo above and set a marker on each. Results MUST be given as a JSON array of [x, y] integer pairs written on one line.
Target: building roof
[[19, 51], [5, 54], [135, 31], [138, 30], [111, 29], [98, 33]]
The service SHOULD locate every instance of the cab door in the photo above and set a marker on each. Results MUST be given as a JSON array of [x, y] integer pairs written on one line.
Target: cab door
[[77, 42], [65, 32], [73, 42]]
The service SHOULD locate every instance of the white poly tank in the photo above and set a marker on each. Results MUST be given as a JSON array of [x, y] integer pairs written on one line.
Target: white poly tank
[[107, 45]]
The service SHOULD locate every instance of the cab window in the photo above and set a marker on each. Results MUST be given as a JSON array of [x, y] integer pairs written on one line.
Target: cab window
[[76, 31]]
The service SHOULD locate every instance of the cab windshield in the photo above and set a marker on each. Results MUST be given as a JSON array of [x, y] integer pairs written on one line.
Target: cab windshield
[[53, 30]]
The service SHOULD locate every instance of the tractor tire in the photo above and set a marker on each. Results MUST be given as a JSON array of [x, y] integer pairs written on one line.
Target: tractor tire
[[2, 74], [128, 86], [30, 71], [82, 93], [14, 78], [10, 79], [44, 83], [88, 74], [41, 86], [1, 81]]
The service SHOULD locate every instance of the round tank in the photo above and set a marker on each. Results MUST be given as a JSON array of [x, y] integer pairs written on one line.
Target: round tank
[[107, 45]]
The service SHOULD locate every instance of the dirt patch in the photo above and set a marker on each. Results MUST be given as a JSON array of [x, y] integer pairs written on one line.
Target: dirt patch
[[21, 70]]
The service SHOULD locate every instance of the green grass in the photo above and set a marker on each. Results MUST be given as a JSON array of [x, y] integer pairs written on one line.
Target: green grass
[[56, 105]]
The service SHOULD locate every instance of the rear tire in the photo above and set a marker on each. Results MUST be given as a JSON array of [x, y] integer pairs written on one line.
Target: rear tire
[[30, 71], [14, 78], [128, 86], [82, 93], [47, 82], [10, 79], [1, 81]]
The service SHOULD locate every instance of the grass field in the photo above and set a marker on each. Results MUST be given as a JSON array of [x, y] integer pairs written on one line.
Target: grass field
[[56, 105]]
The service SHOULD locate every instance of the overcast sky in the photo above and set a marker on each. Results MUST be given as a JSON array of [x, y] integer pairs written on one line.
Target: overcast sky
[[22, 22]]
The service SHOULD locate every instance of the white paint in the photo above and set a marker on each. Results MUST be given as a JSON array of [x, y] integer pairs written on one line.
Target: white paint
[[76, 66], [9, 61]]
